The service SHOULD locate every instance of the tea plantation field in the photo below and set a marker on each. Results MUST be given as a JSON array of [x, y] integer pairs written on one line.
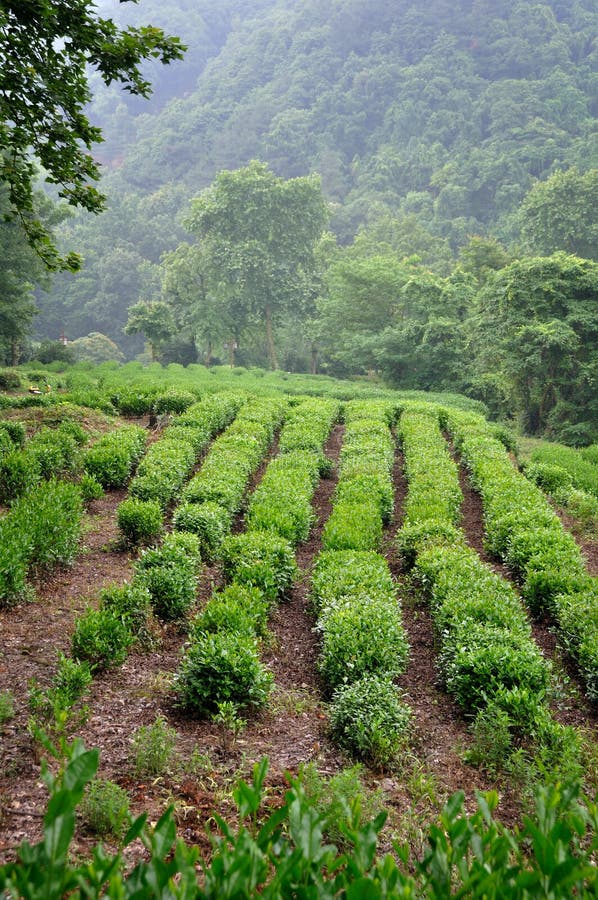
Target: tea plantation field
[[342, 641]]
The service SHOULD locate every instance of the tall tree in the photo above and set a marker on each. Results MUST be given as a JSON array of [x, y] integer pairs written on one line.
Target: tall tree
[[538, 323], [259, 233], [560, 214], [45, 49]]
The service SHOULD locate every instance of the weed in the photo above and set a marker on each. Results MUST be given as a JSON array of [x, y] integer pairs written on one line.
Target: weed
[[105, 808], [7, 707], [229, 723], [153, 747]]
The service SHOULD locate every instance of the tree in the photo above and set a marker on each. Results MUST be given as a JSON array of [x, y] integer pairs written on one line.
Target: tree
[[537, 322], [45, 48], [259, 233], [560, 214], [199, 306], [154, 320]]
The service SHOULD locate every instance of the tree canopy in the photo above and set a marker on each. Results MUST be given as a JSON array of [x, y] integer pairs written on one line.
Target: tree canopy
[[258, 233], [45, 48]]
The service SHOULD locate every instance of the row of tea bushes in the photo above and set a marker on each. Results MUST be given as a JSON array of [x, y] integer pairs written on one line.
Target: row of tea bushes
[[581, 465], [41, 529], [51, 452], [114, 456], [363, 642], [222, 663], [282, 502], [168, 463], [164, 584], [364, 496], [215, 494], [522, 528], [489, 661]]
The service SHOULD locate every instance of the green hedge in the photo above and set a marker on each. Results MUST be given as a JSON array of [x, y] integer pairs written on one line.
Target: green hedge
[[522, 529]]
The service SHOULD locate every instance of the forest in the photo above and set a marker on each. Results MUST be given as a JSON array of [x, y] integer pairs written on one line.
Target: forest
[[454, 152]]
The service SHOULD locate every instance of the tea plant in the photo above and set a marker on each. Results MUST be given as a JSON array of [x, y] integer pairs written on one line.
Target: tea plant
[[139, 521], [104, 808]]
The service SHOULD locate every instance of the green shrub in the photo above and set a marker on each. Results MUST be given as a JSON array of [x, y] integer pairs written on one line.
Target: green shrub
[[169, 573], [132, 604], [480, 658], [550, 478], [90, 488], [112, 459], [261, 560], [14, 551], [134, 403], [19, 472], [209, 521], [71, 680], [415, 539], [222, 666], [353, 526], [362, 635], [101, 638], [344, 573], [236, 608], [368, 719], [9, 380], [104, 808], [590, 454], [173, 402], [49, 517], [140, 521], [15, 430]]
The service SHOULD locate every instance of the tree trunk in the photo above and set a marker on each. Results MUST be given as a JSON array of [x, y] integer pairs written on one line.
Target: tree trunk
[[314, 359], [209, 354], [14, 352], [270, 338]]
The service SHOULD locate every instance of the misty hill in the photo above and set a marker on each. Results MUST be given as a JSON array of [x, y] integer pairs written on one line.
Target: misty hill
[[441, 113]]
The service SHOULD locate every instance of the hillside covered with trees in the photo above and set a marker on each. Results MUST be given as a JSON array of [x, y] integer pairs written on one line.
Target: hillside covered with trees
[[453, 141]]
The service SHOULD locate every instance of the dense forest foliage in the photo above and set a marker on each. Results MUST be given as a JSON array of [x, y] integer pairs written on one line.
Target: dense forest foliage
[[456, 148]]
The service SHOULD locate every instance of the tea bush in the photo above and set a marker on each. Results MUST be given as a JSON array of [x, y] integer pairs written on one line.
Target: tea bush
[[222, 666], [209, 521], [363, 634], [140, 521], [113, 457], [169, 573], [101, 638], [262, 560], [236, 608], [369, 719]]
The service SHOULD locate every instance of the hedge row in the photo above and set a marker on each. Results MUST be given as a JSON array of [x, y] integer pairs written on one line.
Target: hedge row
[[282, 502], [308, 427], [41, 529], [580, 464], [488, 658], [49, 453], [215, 494], [113, 457], [522, 529], [221, 663], [170, 460], [363, 648], [363, 643], [364, 495]]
